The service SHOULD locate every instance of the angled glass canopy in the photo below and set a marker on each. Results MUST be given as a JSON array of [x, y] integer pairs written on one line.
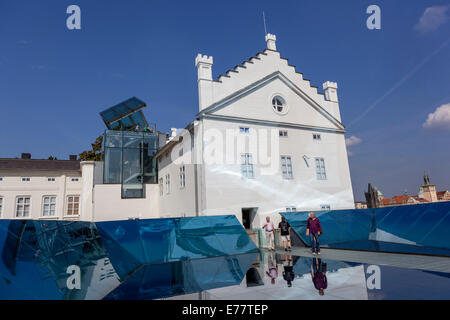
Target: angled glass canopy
[[125, 115]]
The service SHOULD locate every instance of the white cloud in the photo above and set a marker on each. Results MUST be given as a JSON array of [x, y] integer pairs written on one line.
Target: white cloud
[[439, 119], [432, 18], [352, 141]]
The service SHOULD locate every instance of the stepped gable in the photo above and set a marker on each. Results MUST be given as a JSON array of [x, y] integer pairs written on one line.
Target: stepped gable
[[259, 66]]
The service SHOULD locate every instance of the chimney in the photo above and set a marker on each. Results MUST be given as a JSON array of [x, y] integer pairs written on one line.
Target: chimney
[[173, 132], [73, 157], [271, 41], [205, 81], [330, 89], [26, 156]]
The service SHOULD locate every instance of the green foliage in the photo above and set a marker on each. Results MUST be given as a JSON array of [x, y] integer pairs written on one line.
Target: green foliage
[[95, 154]]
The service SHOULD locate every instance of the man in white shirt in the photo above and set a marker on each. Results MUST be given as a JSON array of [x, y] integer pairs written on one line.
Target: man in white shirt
[[269, 228]]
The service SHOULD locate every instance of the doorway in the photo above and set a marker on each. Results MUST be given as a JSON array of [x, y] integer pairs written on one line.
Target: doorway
[[248, 215]]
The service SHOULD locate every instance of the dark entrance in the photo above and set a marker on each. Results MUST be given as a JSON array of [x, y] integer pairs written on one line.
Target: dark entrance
[[248, 214]]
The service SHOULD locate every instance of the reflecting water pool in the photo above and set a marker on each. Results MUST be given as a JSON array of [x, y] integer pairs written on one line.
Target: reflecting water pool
[[275, 276]]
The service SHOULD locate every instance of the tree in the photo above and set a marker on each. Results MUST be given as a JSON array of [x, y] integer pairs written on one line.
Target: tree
[[95, 154], [52, 158]]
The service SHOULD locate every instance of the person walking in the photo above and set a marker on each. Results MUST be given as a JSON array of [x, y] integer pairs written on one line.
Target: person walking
[[285, 229], [314, 230], [269, 228]]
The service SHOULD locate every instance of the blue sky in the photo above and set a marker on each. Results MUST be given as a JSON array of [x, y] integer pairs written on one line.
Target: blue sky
[[54, 81]]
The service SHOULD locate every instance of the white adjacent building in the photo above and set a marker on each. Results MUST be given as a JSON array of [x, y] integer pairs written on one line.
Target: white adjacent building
[[263, 142]]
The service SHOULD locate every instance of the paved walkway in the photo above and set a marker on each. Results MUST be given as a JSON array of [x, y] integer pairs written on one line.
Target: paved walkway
[[410, 261]]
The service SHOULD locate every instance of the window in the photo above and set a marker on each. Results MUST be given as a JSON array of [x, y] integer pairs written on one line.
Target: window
[[320, 169], [23, 206], [1, 206], [1, 178], [75, 179], [291, 209], [244, 129], [161, 186], [49, 206], [182, 177], [279, 104], [325, 207], [317, 136], [286, 167], [51, 179], [283, 133], [73, 205], [26, 179], [246, 165], [167, 185]]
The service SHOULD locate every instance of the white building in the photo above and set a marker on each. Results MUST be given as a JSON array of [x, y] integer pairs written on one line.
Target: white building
[[264, 141], [262, 97], [66, 190]]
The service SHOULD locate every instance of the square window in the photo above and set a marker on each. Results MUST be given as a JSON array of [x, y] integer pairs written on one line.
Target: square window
[[167, 184], [75, 179], [23, 206], [51, 179], [182, 177], [73, 205], [49, 206], [26, 179], [244, 129], [247, 165], [316, 136], [283, 133], [161, 186], [320, 169], [325, 207], [286, 167]]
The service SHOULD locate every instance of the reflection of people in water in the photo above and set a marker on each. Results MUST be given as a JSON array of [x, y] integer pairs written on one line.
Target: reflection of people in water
[[272, 266], [318, 275], [288, 273]]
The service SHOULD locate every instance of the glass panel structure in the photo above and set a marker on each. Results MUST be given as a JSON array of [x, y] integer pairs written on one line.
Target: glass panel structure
[[129, 160], [421, 228], [125, 115], [131, 259]]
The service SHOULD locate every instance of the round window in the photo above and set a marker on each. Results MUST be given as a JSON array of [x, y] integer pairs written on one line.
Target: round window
[[279, 104]]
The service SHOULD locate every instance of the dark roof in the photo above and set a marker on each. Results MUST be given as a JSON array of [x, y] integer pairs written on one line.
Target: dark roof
[[39, 164]]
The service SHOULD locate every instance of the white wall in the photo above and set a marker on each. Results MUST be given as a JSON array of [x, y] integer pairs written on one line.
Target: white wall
[[179, 202], [108, 204], [227, 192]]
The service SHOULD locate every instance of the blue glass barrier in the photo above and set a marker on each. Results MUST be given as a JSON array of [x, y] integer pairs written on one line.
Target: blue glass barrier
[[81, 260], [421, 229]]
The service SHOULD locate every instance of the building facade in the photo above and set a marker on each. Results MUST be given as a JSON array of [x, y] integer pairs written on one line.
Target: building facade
[[264, 142]]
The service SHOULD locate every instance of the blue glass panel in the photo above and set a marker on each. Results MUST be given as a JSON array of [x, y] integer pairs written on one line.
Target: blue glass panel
[[156, 256], [425, 226]]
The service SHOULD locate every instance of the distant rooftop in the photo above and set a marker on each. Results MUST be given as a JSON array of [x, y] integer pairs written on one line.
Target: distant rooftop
[[26, 163]]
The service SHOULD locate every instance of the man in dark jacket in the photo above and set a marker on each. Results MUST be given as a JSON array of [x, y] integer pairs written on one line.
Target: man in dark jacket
[[285, 234], [314, 230]]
